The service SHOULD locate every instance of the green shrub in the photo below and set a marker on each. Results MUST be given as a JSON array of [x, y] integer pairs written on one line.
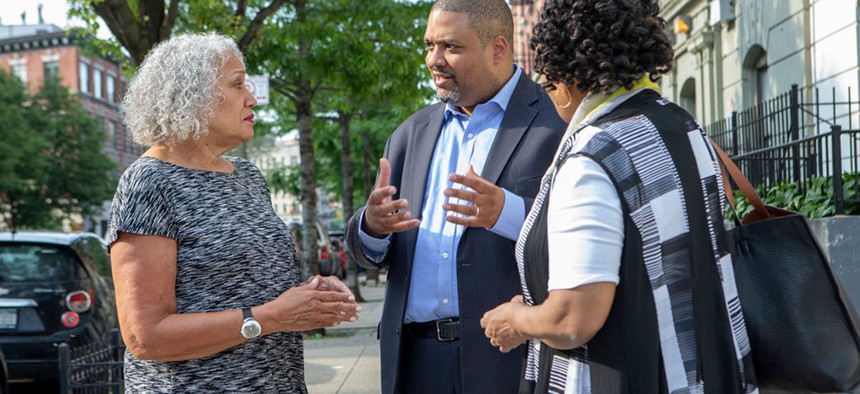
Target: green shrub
[[816, 201]]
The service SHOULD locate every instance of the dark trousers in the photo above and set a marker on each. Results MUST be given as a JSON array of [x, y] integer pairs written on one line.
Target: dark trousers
[[429, 366]]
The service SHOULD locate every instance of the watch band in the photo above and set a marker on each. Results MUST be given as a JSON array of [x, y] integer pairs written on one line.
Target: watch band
[[246, 314]]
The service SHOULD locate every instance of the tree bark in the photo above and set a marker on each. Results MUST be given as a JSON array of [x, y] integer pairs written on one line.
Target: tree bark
[[367, 186], [304, 117], [343, 121], [136, 35], [154, 23]]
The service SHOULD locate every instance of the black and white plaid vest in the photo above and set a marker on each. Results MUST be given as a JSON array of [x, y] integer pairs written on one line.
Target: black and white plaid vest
[[675, 325]]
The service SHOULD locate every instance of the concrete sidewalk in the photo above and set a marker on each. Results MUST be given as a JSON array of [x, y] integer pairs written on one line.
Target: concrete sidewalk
[[346, 359]]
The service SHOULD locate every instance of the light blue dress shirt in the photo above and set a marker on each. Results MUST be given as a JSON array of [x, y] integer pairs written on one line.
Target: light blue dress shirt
[[463, 141]]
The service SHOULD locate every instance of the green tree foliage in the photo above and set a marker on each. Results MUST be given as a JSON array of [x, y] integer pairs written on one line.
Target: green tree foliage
[[382, 75], [51, 163], [336, 56], [355, 58], [138, 25], [372, 126], [371, 81]]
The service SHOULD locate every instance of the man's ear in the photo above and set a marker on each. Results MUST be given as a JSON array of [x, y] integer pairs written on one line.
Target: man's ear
[[501, 50]]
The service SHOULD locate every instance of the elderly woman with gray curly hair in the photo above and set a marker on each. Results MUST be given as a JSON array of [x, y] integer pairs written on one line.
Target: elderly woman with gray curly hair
[[208, 287], [626, 274]]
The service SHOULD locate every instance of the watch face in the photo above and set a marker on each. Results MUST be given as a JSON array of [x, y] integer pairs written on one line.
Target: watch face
[[250, 329]]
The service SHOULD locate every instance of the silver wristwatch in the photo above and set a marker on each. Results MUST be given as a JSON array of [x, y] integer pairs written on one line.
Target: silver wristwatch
[[250, 327]]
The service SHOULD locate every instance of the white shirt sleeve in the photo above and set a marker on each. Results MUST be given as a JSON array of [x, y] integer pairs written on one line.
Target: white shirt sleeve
[[585, 226]]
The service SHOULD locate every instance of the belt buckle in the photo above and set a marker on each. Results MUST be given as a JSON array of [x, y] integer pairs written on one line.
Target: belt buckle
[[439, 330]]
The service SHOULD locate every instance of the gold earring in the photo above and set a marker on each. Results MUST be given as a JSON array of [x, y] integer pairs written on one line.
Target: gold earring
[[569, 99]]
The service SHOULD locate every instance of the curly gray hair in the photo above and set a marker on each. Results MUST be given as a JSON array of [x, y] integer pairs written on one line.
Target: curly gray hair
[[174, 92]]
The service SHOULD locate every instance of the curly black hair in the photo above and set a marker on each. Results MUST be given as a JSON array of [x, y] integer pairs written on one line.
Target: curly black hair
[[602, 44]]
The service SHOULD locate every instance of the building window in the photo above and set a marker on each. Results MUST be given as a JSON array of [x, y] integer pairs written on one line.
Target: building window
[[19, 69], [52, 69], [111, 88], [688, 96], [84, 77], [110, 130], [98, 74]]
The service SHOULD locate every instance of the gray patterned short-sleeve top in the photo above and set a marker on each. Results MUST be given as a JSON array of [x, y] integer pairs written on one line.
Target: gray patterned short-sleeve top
[[233, 252]]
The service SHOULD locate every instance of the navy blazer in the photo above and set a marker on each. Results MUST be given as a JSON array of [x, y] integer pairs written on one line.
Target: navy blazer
[[487, 274]]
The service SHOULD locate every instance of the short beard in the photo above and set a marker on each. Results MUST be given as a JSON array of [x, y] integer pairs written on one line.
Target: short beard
[[454, 95], [451, 97]]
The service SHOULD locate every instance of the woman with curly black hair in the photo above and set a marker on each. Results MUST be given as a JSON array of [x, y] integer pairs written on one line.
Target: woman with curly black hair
[[627, 279]]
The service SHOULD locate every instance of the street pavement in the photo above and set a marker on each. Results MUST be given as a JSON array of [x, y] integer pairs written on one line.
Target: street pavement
[[346, 359]]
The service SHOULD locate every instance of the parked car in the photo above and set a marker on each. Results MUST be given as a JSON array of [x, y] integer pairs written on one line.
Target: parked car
[[54, 288], [4, 375], [329, 261]]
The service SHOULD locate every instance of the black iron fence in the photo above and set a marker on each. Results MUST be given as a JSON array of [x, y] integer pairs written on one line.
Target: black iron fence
[[795, 137], [92, 368]]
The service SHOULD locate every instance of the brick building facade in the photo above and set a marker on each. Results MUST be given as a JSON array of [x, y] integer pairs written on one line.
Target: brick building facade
[[34, 52], [526, 14]]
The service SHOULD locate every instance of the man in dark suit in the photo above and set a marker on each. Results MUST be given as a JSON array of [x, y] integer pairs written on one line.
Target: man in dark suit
[[450, 250]]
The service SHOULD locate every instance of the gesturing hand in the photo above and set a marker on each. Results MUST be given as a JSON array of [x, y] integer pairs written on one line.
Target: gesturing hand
[[382, 216], [486, 201]]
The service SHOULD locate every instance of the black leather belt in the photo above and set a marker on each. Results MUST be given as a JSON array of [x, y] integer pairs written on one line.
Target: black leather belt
[[443, 330]]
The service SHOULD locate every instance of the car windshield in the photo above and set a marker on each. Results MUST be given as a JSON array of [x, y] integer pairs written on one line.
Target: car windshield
[[28, 263]]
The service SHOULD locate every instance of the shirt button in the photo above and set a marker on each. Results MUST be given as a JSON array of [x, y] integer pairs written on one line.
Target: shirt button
[[445, 255], [445, 301], [471, 135]]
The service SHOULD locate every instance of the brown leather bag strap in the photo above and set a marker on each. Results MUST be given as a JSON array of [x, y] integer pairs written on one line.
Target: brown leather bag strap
[[731, 170]]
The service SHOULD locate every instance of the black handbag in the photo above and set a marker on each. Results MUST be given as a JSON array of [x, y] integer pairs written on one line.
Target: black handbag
[[802, 327]]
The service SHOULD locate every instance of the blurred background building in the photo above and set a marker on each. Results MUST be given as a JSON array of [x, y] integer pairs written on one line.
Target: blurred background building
[[526, 13], [36, 52], [733, 55], [278, 153]]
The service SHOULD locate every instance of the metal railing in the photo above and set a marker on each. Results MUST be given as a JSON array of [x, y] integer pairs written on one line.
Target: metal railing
[[92, 368], [791, 139]]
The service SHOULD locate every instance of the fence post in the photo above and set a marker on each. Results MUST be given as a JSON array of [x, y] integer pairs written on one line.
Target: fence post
[[118, 356], [735, 132], [838, 198], [795, 130], [65, 368]]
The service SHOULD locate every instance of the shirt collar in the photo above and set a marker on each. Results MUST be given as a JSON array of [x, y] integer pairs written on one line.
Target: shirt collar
[[502, 98]]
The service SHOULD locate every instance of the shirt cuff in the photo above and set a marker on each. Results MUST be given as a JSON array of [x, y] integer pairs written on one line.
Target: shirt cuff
[[511, 218], [374, 248]]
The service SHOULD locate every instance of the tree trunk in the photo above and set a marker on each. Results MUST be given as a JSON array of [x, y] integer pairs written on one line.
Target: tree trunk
[[138, 34], [310, 238], [369, 176], [154, 23], [367, 187], [344, 120], [304, 117]]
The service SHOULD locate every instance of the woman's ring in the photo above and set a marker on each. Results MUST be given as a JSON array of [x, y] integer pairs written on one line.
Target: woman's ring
[[477, 211]]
